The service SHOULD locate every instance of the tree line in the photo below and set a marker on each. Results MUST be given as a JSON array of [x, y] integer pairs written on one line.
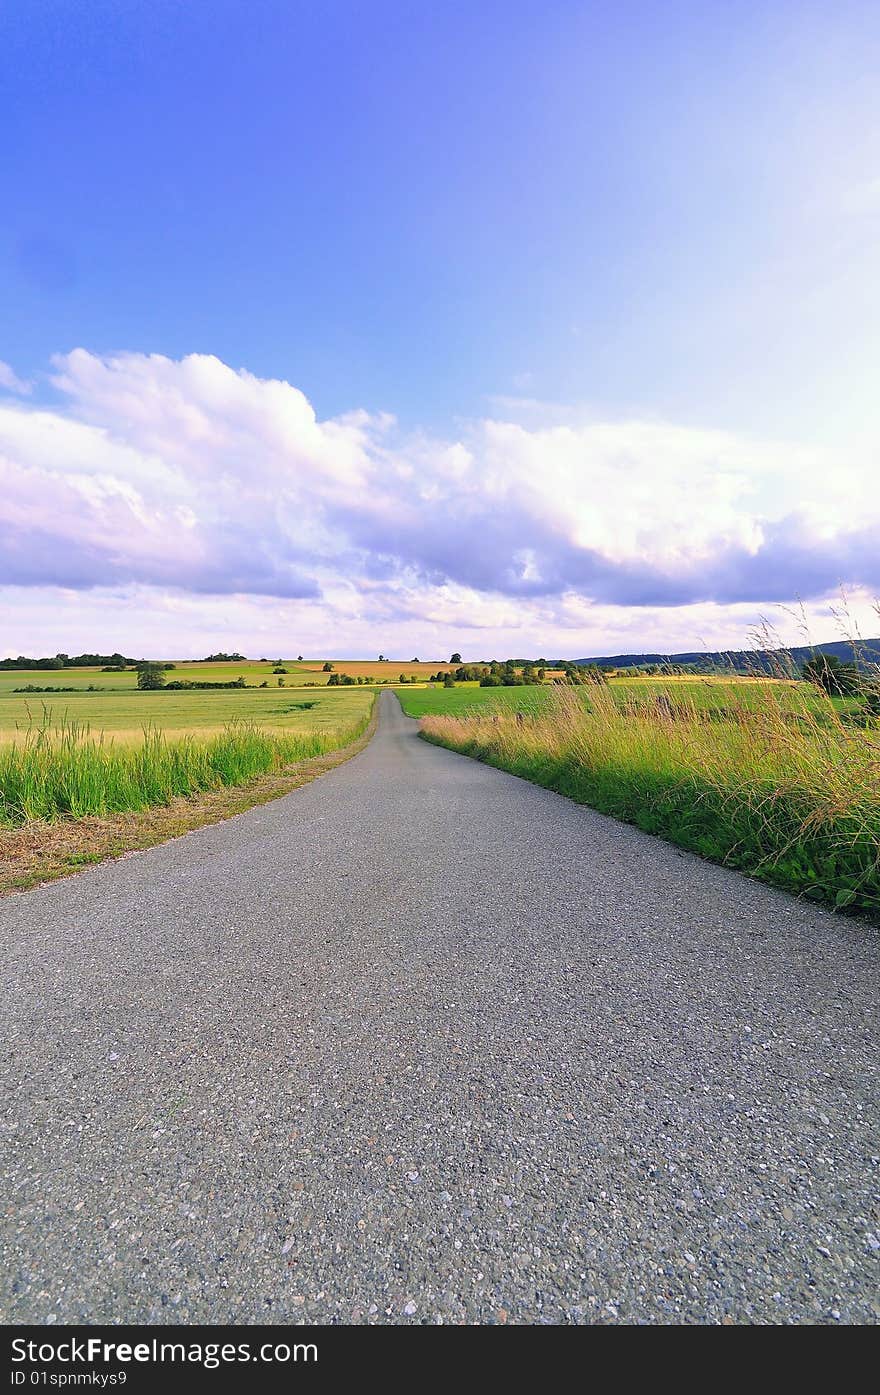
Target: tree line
[[69, 661]]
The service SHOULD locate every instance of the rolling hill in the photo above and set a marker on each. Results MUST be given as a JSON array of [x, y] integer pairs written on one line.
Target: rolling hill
[[748, 660]]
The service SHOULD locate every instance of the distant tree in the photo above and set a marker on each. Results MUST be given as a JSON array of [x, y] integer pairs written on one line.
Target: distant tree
[[328, 668], [827, 672], [871, 701], [150, 677], [456, 658]]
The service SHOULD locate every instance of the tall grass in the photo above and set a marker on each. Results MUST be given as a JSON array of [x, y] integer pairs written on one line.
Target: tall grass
[[791, 796], [53, 772]]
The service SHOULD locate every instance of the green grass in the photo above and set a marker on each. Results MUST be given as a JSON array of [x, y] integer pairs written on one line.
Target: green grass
[[124, 713], [64, 771], [713, 695], [469, 697], [789, 796]]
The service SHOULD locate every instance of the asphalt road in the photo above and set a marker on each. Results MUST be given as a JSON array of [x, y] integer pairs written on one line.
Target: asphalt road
[[421, 1042]]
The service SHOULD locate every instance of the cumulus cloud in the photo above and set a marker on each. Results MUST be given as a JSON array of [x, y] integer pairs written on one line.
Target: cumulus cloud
[[188, 476], [10, 381]]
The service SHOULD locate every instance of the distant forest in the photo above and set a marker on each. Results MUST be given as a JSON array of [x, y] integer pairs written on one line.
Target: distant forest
[[866, 653], [69, 661]]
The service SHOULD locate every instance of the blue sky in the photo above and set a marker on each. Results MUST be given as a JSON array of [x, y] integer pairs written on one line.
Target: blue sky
[[617, 246]]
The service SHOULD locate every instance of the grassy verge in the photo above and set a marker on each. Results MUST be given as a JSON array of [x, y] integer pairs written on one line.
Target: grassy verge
[[789, 797], [43, 849]]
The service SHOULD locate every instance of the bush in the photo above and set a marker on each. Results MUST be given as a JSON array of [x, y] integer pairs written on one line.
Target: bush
[[185, 684]]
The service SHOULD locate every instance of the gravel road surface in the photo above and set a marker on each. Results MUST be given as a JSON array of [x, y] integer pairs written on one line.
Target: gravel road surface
[[421, 1042]]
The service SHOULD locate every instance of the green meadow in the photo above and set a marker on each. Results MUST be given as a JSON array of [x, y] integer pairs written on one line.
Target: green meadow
[[715, 695], [120, 709], [125, 713], [469, 697]]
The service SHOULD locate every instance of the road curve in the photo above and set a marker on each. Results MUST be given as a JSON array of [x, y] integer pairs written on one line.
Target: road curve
[[422, 1042]]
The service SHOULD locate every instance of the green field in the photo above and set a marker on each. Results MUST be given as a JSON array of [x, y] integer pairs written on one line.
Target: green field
[[469, 697], [719, 695], [118, 707], [121, 710], [124, 715]]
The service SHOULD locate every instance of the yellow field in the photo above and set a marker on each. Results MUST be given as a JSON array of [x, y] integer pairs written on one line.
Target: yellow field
[[299, 673]]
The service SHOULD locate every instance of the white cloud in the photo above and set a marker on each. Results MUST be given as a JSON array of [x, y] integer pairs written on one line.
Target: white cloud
[[210, 487], [11, 381]]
